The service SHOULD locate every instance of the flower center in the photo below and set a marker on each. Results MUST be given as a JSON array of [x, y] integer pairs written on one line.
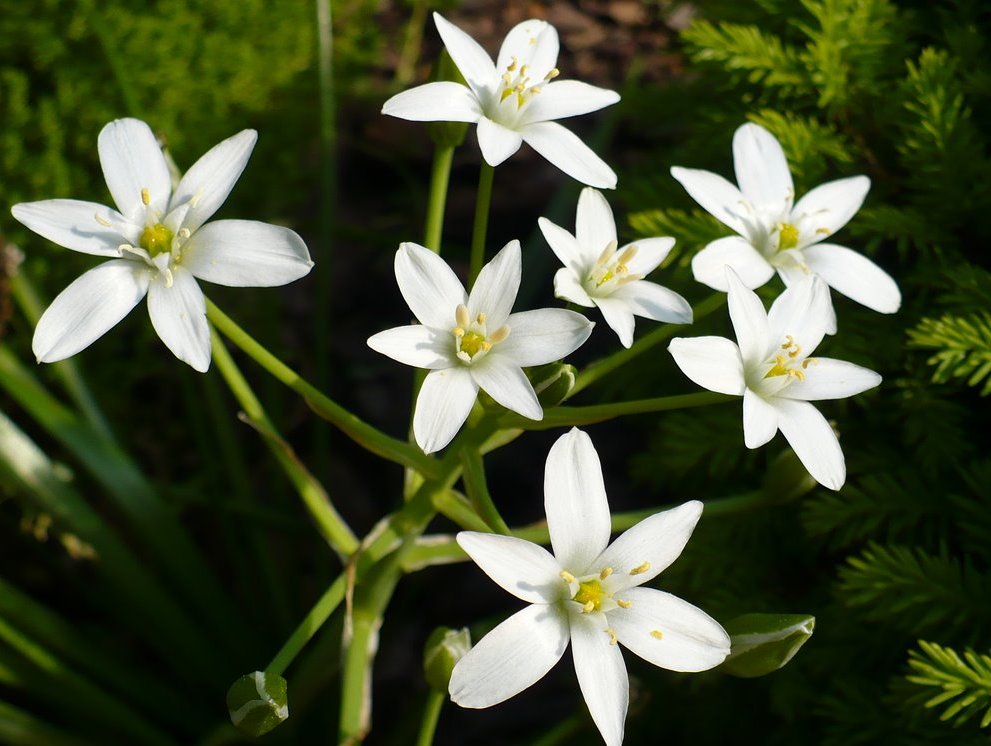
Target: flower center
[[787, 236], [516, 83], [611, 270], [788, 363], [156, 239], [471, 337], [590, 595]]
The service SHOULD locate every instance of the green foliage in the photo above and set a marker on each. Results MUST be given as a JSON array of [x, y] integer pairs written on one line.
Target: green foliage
[[963, 345], [964, 683]]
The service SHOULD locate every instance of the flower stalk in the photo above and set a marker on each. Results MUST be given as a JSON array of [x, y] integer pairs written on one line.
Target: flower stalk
[[480, 227]]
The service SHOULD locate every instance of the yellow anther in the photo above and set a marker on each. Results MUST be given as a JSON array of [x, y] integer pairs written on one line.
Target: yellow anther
[[146, 196], [612, 636], [461, 316], [809, 361], [787, 236], [605, 573], [523, 71], [552, 74], [797, 374], [480, 318], [823, 231], [506, 93], [624, 604], [590, 595], [567, 577], [507, 78], [535, 90], [520, 87], [513, 64], [103, 221], [627, 256], [458, 332], [657, 634], [499, 334], [789, 341], [607, 252], [640, 569], [589, 607], [795, 352], [486, 346]]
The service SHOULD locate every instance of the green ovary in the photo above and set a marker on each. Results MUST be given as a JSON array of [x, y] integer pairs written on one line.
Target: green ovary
[[156, 239], [787, 237], [472, 342], [590, 592]]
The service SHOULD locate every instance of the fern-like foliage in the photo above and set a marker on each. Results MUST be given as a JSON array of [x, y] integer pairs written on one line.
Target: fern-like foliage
[[963, 345], [694, 230], [809, 143], [964, 683]]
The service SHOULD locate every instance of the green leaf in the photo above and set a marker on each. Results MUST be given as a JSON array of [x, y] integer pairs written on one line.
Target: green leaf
[[258, 702], [763, 643]]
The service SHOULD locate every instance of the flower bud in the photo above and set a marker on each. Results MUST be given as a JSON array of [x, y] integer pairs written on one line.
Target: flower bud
[[786, 478], [763, 643], [257, 702], [444, 648], [447, 134], [553, 382]]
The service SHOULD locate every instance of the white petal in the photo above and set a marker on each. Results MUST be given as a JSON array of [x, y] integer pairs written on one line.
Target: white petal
[[533, 43], [178, 314], [654, 544], [655, 302], [749, 321], [650, 253], [566, 98], [429, 286], [575, 502], [442, 406], [760, 420], [713, 363], [246, 253], [74, 225], [690, 640], [208, 182], [715, 194], [829, 207], [761, 169], [565, 246], [497, 142], [813, 441], [88, 308], [526, 570], [709, 265], [443, 101], [544, 335], [565, 150], [619, 316], [567, 286], [803, 311], [502, 379], [416, 345], [510, 658], [496, 286], [855, 276], [132, 161], [601, 675], [826, 378], [595, 227], [473, 61]]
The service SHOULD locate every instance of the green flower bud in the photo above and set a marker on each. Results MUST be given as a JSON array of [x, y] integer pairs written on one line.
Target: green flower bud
[[444, 648], [763, 643], [447, 134], [258, 702], [553, 382], [786, 478]]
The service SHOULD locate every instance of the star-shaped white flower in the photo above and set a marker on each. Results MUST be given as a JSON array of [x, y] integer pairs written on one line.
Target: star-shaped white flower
[[472, 341], [513, 101], [586, 592], [597, 273], [777, 235], [771, 368], [159, 245]]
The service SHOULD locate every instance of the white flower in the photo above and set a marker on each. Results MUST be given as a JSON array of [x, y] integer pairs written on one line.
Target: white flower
[[772, 370], [159, 243], [513, 101], [472, 341], [586, 592], [774, 234], [597, 273]]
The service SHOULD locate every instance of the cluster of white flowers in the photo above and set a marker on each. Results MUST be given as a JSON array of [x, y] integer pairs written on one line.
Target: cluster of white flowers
[[158, 243]]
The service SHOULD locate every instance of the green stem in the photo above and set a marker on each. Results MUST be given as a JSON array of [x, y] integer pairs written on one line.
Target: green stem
[[482, 203], [473, 474], [431, 714], [310, 625], [329, 522], [457, 508], [439, 177], [571, 416], [359, 431], [594, 371]]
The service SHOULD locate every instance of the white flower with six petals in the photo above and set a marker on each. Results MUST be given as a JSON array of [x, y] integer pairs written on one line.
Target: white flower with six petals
[[771, 368], [159, 245], [472, 341], [598, 273], [513, 101], [777, 235], [586, 592]]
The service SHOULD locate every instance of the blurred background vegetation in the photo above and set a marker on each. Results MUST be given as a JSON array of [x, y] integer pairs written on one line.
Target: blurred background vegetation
[[151, 553]]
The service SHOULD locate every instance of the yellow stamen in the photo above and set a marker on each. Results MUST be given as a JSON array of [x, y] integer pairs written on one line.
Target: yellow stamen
[[461, 316], [640, 569], [146, 196], [103, 221], [506, 93], [480, 318], [657, 634], [513, 64], [823, 231], [624, 604], [605, 573], [499, 334], [589, 607], [552, 74], [612, 636], [567, 577]]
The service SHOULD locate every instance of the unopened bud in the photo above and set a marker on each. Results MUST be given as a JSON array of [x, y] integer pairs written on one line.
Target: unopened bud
[[553, 382], [786, 478], [763, 643], [258, 702], [444, 648]]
